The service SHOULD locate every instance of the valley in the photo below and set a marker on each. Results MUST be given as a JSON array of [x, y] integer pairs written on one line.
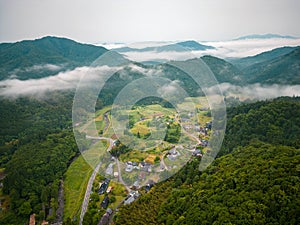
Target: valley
[[122, 165], [134, 169]]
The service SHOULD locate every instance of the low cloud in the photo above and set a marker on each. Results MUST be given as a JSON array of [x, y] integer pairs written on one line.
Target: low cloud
[[223, 49], [147, 72], [256, 91], [67, 80], [91, 77], [37, 68], [248, 47]]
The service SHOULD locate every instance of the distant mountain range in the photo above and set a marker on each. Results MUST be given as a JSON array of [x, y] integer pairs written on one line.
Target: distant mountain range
[[177, 47], [265, 36], [44, 57], [50, 55]]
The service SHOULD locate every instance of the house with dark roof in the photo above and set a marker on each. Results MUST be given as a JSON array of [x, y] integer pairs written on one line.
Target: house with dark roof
[[104, 202], [103, 186], [149, 185]]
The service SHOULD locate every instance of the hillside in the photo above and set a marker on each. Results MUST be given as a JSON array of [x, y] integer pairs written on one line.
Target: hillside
[[243, 63], [254, 182], [223, 70], [44, 57], [281, 70]]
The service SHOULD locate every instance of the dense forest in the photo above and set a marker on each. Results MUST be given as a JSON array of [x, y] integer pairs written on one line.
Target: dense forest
[[254, 180], [37, 144]]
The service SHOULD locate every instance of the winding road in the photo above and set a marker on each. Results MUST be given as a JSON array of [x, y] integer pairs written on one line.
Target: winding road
[[86, 200], [92, 178]]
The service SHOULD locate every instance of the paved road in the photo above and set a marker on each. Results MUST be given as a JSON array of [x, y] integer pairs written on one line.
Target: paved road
[[88, 192], [111, 141], [92, 178]]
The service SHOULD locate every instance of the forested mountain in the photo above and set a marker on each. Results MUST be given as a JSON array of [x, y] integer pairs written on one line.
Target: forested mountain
[[44, 57], [243, 63], [36, 146], [256, 181], [280, 70], [50, 55], [223, 70], [177, 47]]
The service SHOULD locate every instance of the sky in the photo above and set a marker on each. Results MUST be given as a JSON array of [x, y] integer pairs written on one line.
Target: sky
[[94, 21]]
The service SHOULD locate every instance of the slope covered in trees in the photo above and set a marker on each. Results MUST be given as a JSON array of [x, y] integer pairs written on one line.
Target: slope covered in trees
[[255, 181], [36, 146], [44, 57]]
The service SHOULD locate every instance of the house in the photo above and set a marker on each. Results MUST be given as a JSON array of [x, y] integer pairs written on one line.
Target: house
[[209, 125], [173, 154], [109, 211], [103, 186], [129, 168], [131, 197], [204, 143], [149, 185], [197, 153], [129, 200], [109, 189], [105, 202], [147, 167]]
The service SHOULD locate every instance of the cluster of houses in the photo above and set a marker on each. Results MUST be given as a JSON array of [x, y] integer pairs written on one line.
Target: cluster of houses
[[142, 166]]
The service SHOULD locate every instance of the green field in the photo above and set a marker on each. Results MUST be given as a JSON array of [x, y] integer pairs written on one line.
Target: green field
[[77, 177]]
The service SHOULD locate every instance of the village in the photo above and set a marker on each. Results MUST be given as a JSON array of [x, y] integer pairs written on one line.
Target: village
[[126, 173]]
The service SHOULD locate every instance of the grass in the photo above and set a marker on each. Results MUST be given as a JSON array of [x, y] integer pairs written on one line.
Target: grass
[[77, 177], [134, 156], [140, 128]]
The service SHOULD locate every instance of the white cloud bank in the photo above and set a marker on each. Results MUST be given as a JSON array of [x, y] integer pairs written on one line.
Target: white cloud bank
[[67, 80], [257, 91], [223, 49]]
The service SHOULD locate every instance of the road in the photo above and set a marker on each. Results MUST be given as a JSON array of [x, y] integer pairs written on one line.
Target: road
[[92, 178], [111, 141], [162, 162], [88, 192], [96, 170], [120, 176]]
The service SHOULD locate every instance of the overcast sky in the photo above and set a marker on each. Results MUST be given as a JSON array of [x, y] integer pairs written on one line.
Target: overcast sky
[[146, 20]]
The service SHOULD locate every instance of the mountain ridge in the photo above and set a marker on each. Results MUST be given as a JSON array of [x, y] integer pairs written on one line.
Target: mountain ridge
[[264, 36], [23, 55]]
